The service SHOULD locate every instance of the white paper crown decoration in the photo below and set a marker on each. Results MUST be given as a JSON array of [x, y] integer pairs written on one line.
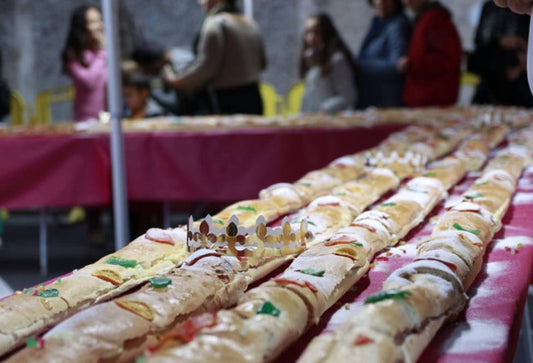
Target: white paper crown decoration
[[395, 160], [258, 241]]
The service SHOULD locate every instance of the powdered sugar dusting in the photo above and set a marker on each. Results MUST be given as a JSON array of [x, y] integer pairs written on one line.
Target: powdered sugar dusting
[[342, 315], [512, 242], [481, 293], [529, 169], [496, 267], [407, 250], [523, 198], [525, 183], [381, 267], [451, 201], [476, 336]]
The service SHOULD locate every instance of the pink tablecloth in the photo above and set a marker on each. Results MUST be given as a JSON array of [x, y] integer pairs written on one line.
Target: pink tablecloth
[[68, 170], [488, 331]]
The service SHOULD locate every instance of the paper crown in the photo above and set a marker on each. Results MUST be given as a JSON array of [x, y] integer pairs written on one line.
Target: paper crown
[[256, 241], [401, 163]]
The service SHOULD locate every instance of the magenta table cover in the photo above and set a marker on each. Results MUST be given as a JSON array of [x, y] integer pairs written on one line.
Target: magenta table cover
[[489, 329], [217, 165]]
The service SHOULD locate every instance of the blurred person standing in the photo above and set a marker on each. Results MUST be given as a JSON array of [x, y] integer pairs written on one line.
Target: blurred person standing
[[327, 68], [84, 60], [379, 79], [433, 63], [500, 57], [229, 60], [5, 96]]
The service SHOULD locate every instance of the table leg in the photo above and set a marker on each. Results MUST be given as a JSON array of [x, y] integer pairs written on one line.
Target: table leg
[[166, 214], [43, 242], [527, 318]]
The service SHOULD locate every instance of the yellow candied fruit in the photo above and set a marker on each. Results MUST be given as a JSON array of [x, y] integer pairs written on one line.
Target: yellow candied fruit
[[137, 307], [402, 243], [520, 245], [346, 306]]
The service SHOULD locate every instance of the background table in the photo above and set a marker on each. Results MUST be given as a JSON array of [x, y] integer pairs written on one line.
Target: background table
[[216, 165]]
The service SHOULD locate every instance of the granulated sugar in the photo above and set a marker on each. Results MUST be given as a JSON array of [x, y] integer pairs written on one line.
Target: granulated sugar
[[476, 336], [512, 242]]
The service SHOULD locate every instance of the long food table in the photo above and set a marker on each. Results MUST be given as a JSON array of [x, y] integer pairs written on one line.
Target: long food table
[[488, 331]]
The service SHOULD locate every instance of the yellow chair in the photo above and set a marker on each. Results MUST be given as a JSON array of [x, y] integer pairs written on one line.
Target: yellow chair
[[46, 98], [470, 79], [294, 98], [17, 109], [272, 102]]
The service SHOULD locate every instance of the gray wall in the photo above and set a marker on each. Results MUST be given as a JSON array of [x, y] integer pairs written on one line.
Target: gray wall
[[32, 34]]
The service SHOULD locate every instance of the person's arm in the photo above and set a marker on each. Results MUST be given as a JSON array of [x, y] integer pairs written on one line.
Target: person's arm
[[441, 49], [385, 68], [343, 82], [91, 75], [518, 6], [206, 63]]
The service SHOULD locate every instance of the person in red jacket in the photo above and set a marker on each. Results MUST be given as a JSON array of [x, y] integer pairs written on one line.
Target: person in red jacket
[[432, 66]]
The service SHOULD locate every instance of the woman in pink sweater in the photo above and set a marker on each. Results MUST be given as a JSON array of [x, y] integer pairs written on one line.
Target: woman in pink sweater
[[84, 60]]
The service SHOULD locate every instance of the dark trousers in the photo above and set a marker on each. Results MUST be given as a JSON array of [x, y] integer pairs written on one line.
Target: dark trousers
[[242, 99]]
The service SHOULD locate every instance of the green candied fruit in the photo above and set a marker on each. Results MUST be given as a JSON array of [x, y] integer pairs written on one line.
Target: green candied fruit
[[385, 295], [48, 293], [458, 227], [313, 272], [121, 262], [31, 342], [247, 208], [268, 309], [474, 196], [160, 282]]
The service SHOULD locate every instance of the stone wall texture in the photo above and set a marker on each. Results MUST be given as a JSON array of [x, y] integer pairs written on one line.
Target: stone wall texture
[[33, 32]]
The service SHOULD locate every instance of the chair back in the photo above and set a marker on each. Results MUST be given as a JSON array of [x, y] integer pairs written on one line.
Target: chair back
[[47, 98], [294, 98], [17, 109], [272, 102]]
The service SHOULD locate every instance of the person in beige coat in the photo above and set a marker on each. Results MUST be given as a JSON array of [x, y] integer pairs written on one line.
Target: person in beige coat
[[229, 61]]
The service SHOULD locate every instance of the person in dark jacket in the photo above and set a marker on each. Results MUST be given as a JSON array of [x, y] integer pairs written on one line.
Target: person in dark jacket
[[5, 93], [387, 40], [433, 63], [500, 57]]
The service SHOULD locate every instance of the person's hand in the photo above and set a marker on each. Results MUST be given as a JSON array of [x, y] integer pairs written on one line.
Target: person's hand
[[518, 6], [402, 64], [171, 78], [100, 40]]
